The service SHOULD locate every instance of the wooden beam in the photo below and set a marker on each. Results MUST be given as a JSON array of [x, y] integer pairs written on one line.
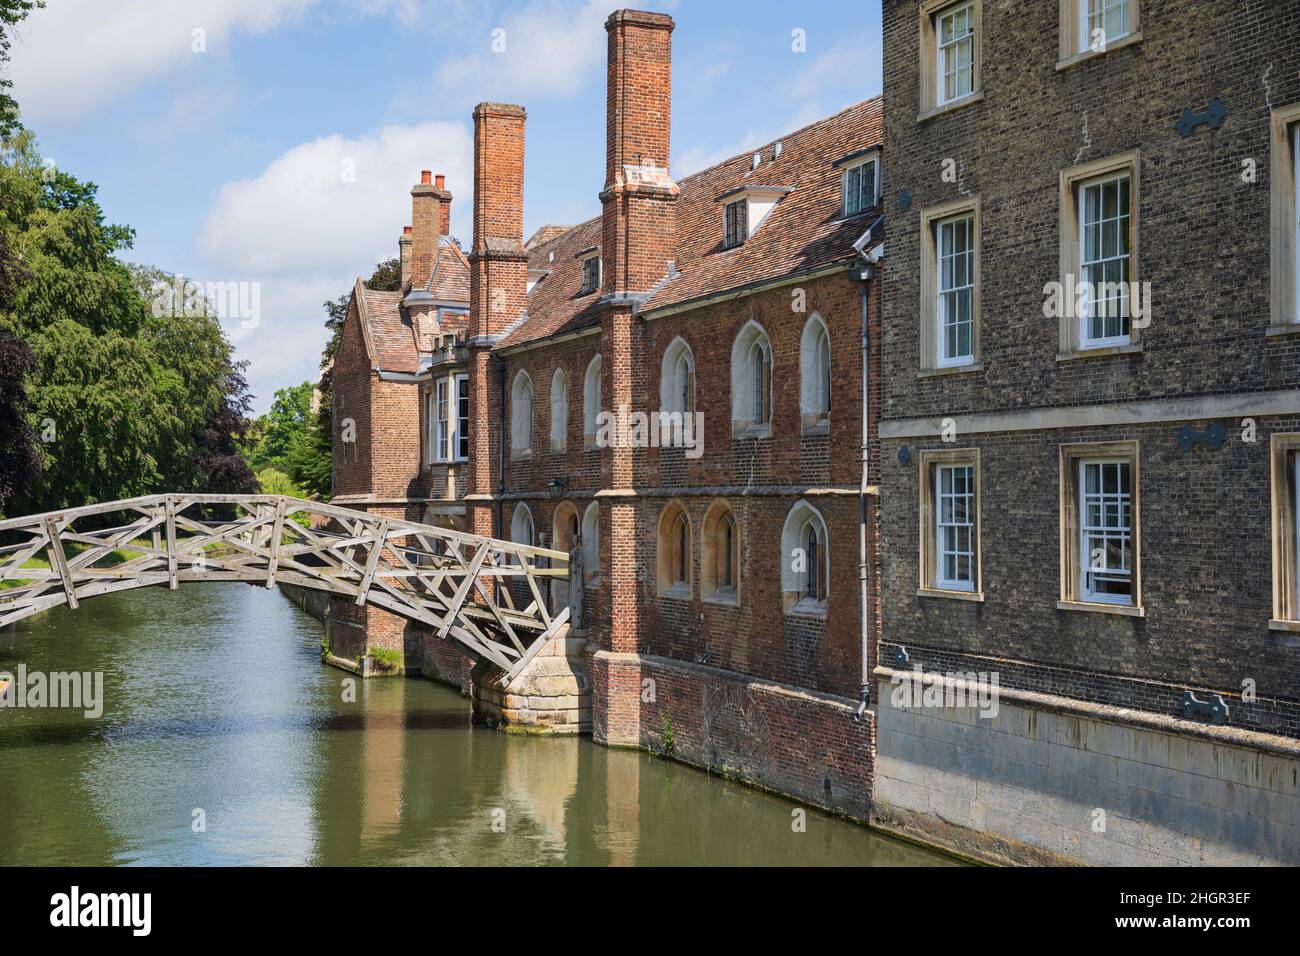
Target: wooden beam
[[59, 560], [376, 549], [171, 543], [453, 607], [276, 529]]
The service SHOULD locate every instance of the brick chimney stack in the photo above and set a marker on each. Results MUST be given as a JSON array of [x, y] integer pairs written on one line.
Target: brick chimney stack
[[498, 262], [498, 287], [404, 253], [639, 226], [430, 218]]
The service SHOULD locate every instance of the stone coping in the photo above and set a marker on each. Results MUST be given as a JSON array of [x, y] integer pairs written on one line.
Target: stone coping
[[1147, 720]]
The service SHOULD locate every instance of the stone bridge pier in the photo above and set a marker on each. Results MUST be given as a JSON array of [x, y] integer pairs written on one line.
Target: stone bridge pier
[[550, 694]]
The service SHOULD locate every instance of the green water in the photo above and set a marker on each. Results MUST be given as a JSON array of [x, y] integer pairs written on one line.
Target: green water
[[215, 701]]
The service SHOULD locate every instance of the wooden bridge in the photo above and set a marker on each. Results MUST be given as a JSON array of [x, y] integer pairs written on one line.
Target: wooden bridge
[[457, 584]]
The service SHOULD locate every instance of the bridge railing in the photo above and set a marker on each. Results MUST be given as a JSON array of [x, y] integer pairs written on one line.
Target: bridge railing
[[456, 583]]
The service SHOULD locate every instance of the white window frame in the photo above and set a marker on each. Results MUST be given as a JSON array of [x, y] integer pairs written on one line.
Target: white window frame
[[521, 414], [941, 548], [815, 374], [1124, 531], [591, 401], [1086, 15], [1085, 339], [944, 296], [559, 410], [442, 424], [846, 192], [942, 51], [751, 382], [460, 431], [797, 577], [677, 378], [1284, 451]]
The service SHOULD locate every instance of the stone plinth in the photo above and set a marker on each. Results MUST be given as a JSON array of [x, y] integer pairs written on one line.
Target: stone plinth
[[551, 695]]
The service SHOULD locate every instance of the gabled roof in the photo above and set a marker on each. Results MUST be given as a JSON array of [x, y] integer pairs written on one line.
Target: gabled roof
[[803, 232], [449, 281], [390, 341], [545, 234]]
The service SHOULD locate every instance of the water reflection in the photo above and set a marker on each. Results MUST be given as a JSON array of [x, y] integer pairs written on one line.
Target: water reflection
[[217, 709]]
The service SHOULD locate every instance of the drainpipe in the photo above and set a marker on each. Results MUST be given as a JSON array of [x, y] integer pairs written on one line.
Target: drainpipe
[[864, 278], [863, 508]]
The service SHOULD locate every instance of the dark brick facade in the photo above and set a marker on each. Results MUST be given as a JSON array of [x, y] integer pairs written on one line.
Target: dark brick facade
[[1203, 245]]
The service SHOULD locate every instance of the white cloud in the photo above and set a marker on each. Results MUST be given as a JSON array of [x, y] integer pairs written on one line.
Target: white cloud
[[820, 81], [317, 217], [76, 55], [547, 46], [327, 206], [841, 66]]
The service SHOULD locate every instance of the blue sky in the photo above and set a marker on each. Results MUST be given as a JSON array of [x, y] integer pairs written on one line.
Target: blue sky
[[282, 152]]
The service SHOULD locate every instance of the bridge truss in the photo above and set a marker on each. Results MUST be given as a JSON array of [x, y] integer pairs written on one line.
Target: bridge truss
[[457, 584]]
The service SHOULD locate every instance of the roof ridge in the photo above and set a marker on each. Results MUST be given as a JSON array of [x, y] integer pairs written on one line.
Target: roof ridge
[[782, 138]]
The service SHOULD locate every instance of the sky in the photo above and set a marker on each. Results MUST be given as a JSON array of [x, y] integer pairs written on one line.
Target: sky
[[273, 143]]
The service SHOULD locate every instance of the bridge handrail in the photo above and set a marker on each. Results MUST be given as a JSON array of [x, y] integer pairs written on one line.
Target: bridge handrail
[[292, 505]]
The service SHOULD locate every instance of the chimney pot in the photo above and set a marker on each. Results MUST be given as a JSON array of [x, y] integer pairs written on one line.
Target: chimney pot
[[440, 181], [426, 177], [406, 230]]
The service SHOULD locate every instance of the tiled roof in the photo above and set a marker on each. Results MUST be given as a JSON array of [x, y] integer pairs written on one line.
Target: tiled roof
[[802, 232], [545, 234], [391, 340], [449, 281], [554, 305]]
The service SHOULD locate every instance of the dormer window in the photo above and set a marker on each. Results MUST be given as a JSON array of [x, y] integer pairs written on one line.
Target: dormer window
[[744, 210], [590, 274], [736, 219], [860, 187]]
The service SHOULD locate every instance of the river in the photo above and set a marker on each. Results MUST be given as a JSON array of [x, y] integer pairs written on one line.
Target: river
[[224, 740]]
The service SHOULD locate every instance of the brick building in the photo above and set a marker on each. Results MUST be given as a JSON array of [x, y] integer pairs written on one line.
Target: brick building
[[1089, 424], [724, 566], [399, 353]]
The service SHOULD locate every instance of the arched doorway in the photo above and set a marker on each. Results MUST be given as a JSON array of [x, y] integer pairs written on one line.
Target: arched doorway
[[567, 536]]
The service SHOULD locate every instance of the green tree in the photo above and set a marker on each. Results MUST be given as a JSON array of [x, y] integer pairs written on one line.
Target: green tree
[[272, 481], [311, 462], [138, 399], [20, 465], [284, 425]]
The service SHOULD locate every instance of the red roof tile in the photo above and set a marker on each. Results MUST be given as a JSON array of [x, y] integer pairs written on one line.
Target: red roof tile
[[554, 305], [802, 232], [390, 339]]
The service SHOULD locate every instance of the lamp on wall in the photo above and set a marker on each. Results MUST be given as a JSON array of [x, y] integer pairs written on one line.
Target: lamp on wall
[[556, 487]]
